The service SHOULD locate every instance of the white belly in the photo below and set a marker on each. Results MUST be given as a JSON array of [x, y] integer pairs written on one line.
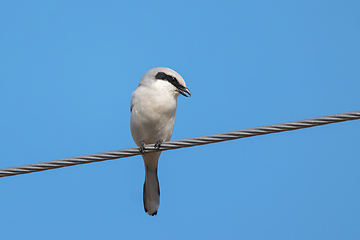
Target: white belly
[[152, 119]]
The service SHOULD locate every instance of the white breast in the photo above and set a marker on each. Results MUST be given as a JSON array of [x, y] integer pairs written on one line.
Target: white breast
[[153, 114]]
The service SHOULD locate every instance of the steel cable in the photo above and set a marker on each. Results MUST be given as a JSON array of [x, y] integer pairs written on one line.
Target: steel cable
[[188, 142]]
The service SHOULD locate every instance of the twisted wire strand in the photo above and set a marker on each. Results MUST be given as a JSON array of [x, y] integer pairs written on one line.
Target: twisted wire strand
[[188, 142]]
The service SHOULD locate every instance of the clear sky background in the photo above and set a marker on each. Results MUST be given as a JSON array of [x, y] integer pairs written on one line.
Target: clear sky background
[[67, 72]]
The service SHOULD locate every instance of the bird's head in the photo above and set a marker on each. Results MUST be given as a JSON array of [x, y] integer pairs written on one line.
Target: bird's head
[[166, 78]]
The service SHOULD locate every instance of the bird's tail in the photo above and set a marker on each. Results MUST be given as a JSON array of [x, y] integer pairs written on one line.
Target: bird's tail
[[151, 194]]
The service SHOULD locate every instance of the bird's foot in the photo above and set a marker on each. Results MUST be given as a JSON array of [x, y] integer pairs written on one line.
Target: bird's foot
[[158, 144], [142, 148]]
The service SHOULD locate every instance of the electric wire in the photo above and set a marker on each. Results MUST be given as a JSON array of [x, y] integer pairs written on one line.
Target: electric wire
[[188, 142]]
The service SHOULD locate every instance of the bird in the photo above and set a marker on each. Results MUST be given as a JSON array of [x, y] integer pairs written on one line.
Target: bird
[[153, 109]]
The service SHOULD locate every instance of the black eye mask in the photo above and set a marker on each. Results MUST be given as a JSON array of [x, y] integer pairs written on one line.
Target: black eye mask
[[170, 79]]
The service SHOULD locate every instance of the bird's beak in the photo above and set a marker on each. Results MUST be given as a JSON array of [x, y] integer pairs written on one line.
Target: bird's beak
[[185, 92]]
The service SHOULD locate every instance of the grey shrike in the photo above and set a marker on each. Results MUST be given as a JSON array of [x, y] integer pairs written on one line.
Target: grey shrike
[[153, 108]]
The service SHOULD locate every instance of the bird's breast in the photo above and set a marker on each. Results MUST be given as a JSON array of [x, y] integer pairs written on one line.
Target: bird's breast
[[152, 117]]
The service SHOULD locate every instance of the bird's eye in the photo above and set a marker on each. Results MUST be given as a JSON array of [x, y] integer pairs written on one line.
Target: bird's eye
[[170, 79]]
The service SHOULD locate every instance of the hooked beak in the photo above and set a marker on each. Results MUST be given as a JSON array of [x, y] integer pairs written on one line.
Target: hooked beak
[[184, 91]]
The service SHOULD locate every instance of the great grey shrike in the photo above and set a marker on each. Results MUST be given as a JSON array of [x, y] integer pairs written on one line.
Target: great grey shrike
[[153, 108]]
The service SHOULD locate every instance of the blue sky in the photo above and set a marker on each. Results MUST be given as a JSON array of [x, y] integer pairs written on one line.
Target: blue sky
[[67, 71]]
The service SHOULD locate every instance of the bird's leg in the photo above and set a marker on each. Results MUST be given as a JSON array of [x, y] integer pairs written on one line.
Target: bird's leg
[[158, 144], [142, 148]]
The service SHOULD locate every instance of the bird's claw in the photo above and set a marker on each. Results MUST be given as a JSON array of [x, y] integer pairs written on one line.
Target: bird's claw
[[158, 144], [142, 148]]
